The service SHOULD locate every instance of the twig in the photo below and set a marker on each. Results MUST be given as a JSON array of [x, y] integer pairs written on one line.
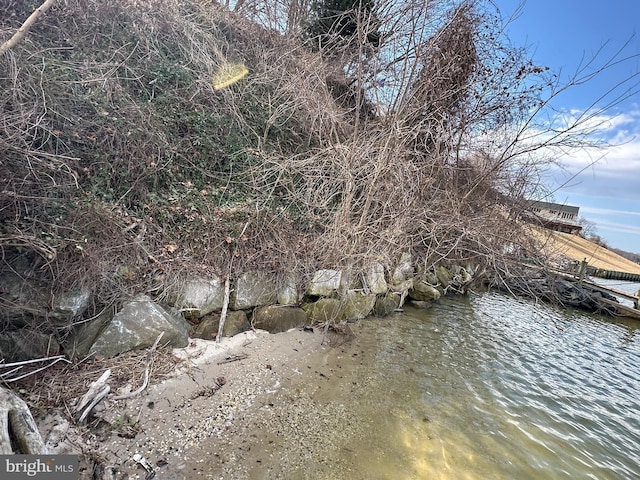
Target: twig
[[146, 372], [233, 358], [19, 365]]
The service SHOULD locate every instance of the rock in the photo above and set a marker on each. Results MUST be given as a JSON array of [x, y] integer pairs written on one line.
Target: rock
[[324, 283], [325, 309], [276, 318], [460, 278], [467, 277], [22, 298], [386, 305], [421, 304], [254, 289], [83, 336], [444, 276], [236, 322], [430, 278], [357, 306], [424, 292], [288, 292], [404, 269], [25, 344], [200, 296], [138, 325], [70, 306], [375, 279]]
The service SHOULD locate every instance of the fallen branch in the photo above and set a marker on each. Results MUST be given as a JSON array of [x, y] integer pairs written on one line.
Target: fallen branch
[[16, 417], [26, 26], [227, 288], [225, 308], [96, 400]]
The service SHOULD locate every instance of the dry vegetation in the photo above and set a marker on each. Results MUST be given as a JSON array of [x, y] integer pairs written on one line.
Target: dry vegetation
[[578, 249], [122, 169]]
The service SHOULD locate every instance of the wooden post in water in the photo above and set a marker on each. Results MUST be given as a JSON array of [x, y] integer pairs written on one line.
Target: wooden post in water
[[583, 270]]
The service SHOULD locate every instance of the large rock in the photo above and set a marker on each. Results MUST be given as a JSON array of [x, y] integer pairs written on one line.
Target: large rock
[[375, 279], [324, 310], [461, 277], [386, 305], [430, 278], [236, 322], [404, 269], [24, 296], [288, 292], [424, 292], [70, 306], [324, 283], [444, 276], [78, 343], [22, 299], [357, 306], [138, 325], [24, 344], [276, 318], [200, 296], [254, 289]]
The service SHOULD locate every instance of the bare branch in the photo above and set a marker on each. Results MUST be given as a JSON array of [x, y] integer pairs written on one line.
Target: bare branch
[[26, 26]]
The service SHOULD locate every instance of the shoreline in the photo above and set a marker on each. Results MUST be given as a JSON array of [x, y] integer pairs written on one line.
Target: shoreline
[[207, 420]]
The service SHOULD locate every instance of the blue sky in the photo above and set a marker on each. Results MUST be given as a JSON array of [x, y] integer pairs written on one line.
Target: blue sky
[[563, 34]]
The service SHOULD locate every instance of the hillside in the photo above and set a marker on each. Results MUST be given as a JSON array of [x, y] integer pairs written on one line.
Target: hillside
[[577, 248], [129, 160], [133, 155]]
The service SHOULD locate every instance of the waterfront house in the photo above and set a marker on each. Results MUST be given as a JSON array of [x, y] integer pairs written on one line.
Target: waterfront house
[[555, 216]]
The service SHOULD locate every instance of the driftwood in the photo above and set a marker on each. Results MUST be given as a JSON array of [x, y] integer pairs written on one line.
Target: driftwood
[[558, 290], [97, 391], [227, 287], [16, 416], [100, 389]]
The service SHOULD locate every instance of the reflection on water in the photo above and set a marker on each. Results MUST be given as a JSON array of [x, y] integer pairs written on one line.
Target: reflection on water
[[488, 387]]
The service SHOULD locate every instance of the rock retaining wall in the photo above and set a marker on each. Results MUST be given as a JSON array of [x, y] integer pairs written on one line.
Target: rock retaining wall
[[257, 300]]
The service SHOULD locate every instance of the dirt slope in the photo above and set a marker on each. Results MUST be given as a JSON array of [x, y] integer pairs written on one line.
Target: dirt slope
[[578, 248]]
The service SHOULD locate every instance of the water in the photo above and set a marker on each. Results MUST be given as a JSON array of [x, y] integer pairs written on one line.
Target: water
[[484, 387], [627, 287]]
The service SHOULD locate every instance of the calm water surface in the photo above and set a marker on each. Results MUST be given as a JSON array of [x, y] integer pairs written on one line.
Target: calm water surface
[[487, 387]]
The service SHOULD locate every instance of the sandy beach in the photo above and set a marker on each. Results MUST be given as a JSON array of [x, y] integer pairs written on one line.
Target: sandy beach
[[242, 409]]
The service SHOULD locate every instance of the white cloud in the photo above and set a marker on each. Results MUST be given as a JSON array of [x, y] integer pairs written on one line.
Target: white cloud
[[618, 227], [620, 158], [608, 211], [600, 123]]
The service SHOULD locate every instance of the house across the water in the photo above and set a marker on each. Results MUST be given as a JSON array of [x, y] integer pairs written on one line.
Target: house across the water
[[556, 216]]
